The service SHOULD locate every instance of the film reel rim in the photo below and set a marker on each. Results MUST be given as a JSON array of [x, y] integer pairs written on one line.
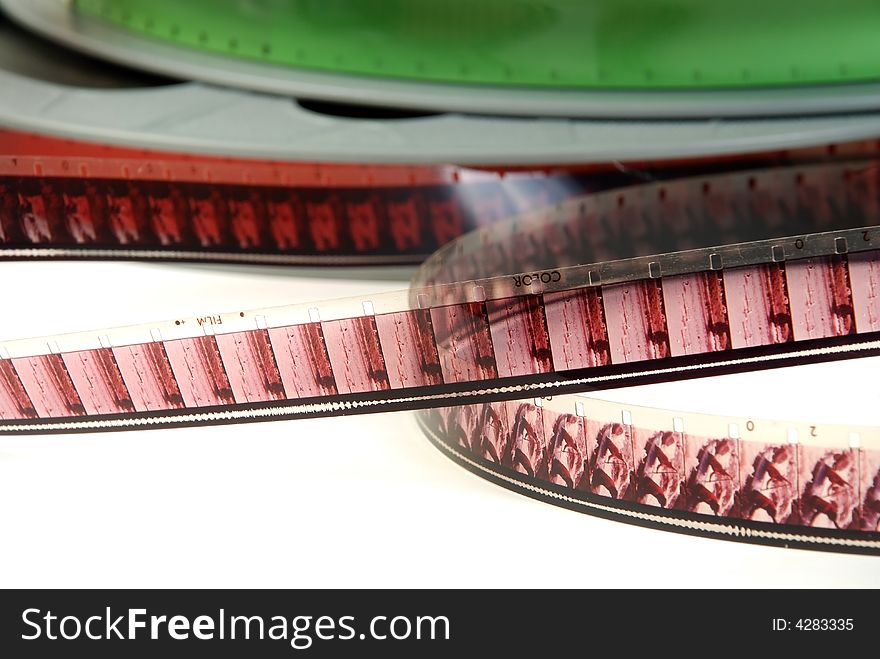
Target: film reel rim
[[44, 108], [56, 21]]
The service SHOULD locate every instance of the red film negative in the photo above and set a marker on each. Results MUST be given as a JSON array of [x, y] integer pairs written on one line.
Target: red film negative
[[408, 337], [662, 475], [255, 376], [501, 331], [97, 378], [148, 378], [356, 355], [48, 386], [302, 359], [658, 477], [63, 198]]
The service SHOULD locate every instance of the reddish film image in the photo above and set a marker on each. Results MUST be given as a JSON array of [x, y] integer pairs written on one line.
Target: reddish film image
[[771, 200], [561, 241], [247, 208], [711, 476], [820, 198], [35, 212], [520, 436], [863, 196], [525, 247], [250, 366], [611, 462], [14, 400], [821, 299], [324, 224], [493, 441], [722, 202], [84, 212], [129, 212], [659, 472], [193, 214], [169, 214], [576, 326], [303, 360], [676, 206], [464, 342], [758, 305], [10, 212], [447, 221], [407, 340], [869, 488], [721, 477], [148, 377], [519, 336], [461, 425], [55, 213], [434, 420], [286, 219], [829, 487], [356, 355], [48, 385], [696, 313], [568, 460], [530, 433], [484, 430], [405, 225], [620, 221], [864, 276], [769, 474], [199, 371], [636, 321], [364, 225], [210, 216], [98, 381]]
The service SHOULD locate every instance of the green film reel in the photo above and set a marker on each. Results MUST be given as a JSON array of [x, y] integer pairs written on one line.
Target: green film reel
[[586, 44]]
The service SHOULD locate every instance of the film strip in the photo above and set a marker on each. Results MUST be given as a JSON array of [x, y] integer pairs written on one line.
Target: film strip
[[220, 209], [501, 331], [72, 199]]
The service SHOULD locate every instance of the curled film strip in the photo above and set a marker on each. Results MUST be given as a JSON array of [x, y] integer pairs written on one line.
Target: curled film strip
[[502, 331], [524, 57], [80, 200]]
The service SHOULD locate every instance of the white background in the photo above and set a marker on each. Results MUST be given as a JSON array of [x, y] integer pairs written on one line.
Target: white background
[[342, 502]]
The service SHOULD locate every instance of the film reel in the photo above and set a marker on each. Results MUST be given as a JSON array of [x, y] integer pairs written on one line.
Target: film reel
[[509, 58], [644, 252]]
